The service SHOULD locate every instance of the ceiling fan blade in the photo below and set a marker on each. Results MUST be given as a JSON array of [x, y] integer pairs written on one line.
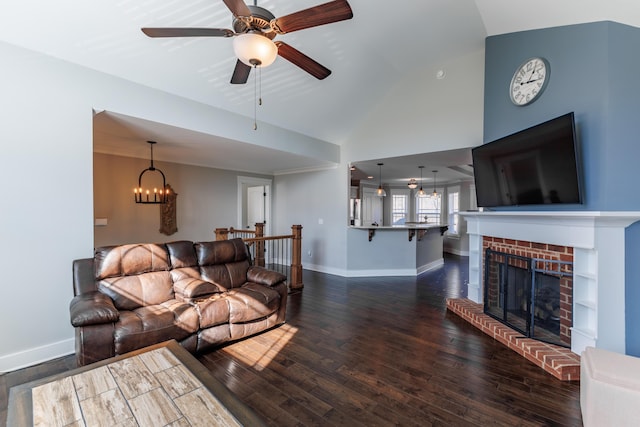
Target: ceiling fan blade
[[334, 11], [298, 58], [187, 32], [237, 7], [240, 73]]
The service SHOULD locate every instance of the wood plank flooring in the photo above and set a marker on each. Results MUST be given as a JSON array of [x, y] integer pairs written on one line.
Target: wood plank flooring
[[379, 351]]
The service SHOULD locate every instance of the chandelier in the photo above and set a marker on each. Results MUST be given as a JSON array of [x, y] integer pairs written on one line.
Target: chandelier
[[144, 195]]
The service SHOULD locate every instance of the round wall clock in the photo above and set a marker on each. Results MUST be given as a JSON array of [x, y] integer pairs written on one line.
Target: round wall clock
[[529, 80]]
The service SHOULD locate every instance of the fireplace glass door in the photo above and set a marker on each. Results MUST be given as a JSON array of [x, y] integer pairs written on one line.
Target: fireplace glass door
[[524, 293]]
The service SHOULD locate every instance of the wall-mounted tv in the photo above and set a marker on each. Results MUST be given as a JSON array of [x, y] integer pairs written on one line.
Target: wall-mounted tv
[[536, 166]]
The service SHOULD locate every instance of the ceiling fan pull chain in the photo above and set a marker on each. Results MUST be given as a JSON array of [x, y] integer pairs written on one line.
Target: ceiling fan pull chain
[[255, 98], [260, 86]]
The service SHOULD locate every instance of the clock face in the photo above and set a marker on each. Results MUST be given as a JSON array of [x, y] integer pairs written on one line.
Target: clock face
[[529, 81]]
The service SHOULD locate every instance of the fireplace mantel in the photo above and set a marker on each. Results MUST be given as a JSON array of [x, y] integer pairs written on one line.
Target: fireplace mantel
[[598, 239]]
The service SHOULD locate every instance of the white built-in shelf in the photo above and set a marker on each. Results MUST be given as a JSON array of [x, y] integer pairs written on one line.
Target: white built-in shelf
[[598, 240]]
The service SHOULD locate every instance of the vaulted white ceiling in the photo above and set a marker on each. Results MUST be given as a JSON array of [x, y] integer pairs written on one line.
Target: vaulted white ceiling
[[367, 54]]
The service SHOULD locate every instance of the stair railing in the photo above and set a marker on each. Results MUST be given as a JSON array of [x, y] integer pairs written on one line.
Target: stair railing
[[283, 253]]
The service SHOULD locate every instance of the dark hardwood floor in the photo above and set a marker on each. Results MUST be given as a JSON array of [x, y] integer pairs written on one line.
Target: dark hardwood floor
[[378, 351]]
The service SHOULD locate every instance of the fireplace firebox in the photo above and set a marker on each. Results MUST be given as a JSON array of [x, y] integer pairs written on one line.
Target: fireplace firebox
[[525, 294]]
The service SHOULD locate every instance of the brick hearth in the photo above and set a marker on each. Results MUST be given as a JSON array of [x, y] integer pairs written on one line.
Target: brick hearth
[[560, 362]]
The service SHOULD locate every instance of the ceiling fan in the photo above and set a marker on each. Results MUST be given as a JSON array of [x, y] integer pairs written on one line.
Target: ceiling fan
[[254, 25]]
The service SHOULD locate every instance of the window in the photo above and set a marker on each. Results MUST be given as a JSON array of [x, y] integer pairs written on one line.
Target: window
[[428, 209], [453, 208], [399, 208]]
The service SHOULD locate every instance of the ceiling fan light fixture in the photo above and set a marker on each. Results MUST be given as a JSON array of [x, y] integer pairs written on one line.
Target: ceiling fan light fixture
[[255, 49]]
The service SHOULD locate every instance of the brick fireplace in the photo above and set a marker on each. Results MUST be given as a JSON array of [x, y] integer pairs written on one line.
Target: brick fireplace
[[555, 261], [594, 303]]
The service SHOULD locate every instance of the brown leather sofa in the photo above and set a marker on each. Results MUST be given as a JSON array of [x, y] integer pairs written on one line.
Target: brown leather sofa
[[201, 294]]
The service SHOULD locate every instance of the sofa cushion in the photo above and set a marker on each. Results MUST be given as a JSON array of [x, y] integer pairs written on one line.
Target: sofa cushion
[[252, 302], [228, 276], [113, 261], [152, 324], [241, 330], [221, 252], [131, 292], [213, 311], [195, 288], [182, 254]]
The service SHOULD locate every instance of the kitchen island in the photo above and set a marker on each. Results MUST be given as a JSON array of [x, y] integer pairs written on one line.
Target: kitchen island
[[399, 250]]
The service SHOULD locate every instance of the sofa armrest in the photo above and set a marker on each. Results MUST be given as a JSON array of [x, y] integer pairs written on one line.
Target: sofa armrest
[[264, 276], [92, 308]]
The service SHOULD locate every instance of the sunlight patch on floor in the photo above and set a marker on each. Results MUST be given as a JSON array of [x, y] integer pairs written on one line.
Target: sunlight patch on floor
[[259, 353]]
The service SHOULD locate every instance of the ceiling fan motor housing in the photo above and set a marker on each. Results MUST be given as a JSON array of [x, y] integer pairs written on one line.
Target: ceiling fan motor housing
[[257, 22]]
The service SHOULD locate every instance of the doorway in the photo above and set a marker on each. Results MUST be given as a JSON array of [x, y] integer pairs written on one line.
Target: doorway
[[254, 203]]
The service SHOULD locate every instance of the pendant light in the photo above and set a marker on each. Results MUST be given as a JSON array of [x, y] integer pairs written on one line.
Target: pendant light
[[413, 184], [421, 192], [144, 195], [435, 193], [380, 191]]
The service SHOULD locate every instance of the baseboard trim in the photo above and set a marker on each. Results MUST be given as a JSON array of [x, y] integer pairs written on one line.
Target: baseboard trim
[[382, 273], [33, 356], [325, 270], [376, 273]]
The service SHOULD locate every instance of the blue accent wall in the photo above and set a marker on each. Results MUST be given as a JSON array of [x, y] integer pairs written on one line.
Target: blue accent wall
[[595, 72]]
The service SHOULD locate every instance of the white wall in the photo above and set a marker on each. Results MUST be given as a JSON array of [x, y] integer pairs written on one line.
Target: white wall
[[422, 114], [319, 202], [46, 214]]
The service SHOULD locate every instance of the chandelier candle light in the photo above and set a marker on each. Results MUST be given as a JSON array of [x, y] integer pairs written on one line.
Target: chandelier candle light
[[142, 195]]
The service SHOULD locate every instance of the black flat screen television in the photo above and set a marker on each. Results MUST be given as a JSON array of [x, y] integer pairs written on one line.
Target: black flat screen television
[[536, 166]]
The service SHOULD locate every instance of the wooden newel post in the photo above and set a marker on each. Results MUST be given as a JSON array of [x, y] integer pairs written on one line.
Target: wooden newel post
[[222, 234], [259, 255], [259, 229], [296, 258]]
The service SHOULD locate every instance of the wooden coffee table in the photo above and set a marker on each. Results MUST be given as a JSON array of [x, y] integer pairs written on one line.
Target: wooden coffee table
[[155, 386]]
